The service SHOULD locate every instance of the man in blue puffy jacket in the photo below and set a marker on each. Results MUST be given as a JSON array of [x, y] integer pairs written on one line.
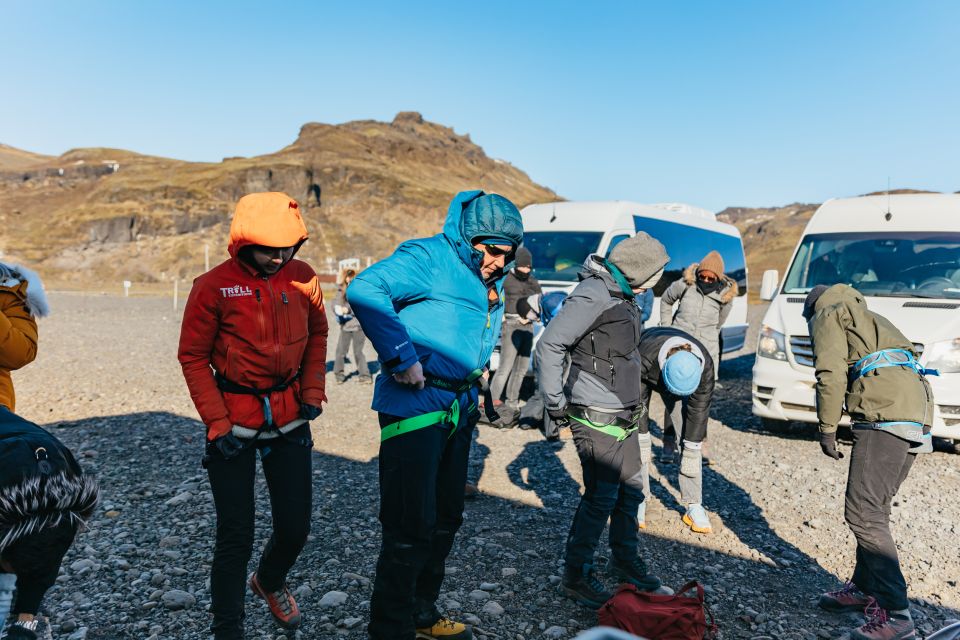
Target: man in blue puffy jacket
[[433, 312]]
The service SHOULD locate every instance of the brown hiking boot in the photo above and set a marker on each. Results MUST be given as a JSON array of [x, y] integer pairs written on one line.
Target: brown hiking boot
[[881, 625], [282, 606], [846, 598]]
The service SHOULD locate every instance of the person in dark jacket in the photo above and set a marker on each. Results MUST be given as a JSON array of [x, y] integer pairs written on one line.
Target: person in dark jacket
[[678, 367], [533, 415], [864, 364], [599, 327], [351, 334], [516, 339], [433, 312], [45, 498]]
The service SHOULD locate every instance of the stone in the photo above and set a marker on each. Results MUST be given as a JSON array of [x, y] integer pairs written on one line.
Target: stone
[[478, 595], [333, 599], [175, 600], [493, 609], [555, 632], [506, 572]]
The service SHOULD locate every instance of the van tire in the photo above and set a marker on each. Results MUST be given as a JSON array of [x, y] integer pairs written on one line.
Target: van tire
[[946, 445]]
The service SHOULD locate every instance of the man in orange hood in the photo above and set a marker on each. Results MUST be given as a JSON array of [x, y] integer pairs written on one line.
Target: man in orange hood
[[253, 347]]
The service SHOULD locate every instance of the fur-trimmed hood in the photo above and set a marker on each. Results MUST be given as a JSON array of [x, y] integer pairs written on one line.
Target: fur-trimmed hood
[[41, 483], [725, 295], [15, 276], [39, 502]]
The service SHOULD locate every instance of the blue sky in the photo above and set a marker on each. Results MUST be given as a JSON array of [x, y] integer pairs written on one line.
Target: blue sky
[[716, 104]]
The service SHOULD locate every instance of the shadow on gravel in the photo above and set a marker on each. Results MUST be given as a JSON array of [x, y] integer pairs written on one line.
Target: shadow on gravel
[[141, 568]]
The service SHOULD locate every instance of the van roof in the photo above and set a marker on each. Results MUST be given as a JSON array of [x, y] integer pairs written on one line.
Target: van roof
[[908, 212], [615, 214]]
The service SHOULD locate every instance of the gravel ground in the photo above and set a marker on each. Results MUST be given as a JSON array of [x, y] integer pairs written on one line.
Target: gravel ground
[[107, 383]]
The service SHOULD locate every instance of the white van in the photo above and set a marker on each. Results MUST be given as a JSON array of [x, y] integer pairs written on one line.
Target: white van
[[902, 252], [561, 235]]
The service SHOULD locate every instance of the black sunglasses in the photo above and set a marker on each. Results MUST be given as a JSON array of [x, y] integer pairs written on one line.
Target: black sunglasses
[[495, 251]]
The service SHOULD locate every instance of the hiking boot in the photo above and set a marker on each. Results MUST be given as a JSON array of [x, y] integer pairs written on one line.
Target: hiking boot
[[446, 629], [365, 380], [21, 631], [846, 598], [340, 378], [668, 453], [696, 518], [282, 606], [470, 491], [583, 586], [881, 625], [634, 571]]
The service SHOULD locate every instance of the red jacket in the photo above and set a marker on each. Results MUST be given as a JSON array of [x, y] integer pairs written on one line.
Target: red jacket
[[258, 332]]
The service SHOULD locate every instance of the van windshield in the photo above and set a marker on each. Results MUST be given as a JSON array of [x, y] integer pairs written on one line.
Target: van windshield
[[919, 264], [558, 255]]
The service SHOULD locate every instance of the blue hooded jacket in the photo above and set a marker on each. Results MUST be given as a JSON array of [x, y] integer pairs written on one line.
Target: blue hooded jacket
[[428, 302]]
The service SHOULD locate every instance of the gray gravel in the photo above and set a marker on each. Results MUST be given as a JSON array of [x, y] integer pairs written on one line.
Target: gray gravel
[[107, 382]]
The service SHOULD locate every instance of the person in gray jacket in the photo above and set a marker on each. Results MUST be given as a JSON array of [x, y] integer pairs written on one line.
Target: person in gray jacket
[[351, 333], [703, 298], [599, 327]]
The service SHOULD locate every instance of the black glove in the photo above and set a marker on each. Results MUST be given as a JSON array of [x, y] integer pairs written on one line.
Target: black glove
[[310, 412], [559, 417], [828, 444]]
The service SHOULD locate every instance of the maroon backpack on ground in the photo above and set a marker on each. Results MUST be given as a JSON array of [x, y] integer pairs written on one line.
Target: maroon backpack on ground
[[659, 617]]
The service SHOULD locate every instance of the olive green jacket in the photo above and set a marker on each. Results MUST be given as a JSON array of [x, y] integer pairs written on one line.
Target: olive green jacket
[[843, 332]]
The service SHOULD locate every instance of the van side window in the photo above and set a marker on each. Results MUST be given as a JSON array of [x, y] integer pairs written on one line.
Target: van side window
[[614, 241], [687, 244]]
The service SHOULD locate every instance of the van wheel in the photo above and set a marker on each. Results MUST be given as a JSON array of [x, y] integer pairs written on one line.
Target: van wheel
[[772, 425], [946, 445]]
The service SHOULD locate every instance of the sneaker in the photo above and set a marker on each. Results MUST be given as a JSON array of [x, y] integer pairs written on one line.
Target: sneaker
[[582, 586], [696, 518], [447, 630], [340, 378], [282, 606], [880, 625], [365, 380], [846, 598], [635, 572]]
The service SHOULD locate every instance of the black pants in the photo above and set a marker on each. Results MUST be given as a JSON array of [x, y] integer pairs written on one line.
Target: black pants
[[879, 463], [612, 488], [344, 342], [286, 465], [422, 474]]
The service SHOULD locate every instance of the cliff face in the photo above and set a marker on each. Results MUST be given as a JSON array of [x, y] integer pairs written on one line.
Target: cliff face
[[365, 186]]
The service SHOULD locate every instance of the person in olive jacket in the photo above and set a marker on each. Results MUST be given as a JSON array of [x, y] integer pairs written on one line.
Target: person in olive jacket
[[864, 363]]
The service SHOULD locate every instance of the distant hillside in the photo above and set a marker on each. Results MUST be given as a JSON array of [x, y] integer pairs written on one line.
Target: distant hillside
[[94, 214], [12, 159]]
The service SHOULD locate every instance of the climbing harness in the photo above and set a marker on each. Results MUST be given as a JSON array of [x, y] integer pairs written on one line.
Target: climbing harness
[[449, 416]]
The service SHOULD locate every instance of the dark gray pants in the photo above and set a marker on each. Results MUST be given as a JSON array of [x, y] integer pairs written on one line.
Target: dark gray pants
[[348, 338], [515, 348], [879, 463], [612, 489]]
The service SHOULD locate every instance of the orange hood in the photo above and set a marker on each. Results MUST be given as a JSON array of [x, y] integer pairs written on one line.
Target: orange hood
[[269, 219]]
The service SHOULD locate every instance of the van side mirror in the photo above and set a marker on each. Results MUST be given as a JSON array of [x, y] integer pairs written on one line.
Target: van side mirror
[[768, 286]]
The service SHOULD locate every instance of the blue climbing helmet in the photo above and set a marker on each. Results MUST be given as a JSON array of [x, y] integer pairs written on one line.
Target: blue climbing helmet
[[682, 372], [550, 305]]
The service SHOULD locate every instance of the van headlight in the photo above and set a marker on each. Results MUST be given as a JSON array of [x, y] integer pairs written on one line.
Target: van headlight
[[943, 356], [771, 344]]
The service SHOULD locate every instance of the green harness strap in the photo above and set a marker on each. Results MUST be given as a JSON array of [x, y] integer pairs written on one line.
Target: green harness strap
[[619, 433], [415, 423]]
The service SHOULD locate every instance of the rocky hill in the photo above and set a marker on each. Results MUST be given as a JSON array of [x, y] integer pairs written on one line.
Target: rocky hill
[[94, 215]]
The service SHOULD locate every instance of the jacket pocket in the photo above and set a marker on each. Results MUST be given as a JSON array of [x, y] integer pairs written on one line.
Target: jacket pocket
[[294, 312]]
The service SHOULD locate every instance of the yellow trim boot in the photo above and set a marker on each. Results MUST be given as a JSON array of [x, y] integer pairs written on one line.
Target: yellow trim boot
[[446, 629]]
